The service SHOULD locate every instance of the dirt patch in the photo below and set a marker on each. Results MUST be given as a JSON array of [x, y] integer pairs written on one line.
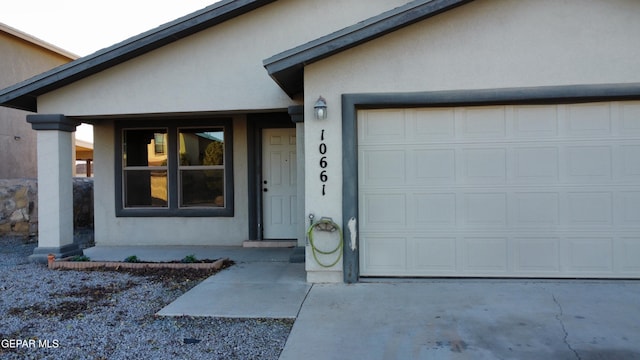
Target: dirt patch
[[182, 279], [98, 292]]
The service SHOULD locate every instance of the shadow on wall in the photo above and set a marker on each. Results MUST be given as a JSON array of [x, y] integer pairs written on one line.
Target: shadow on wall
[[19, 210]]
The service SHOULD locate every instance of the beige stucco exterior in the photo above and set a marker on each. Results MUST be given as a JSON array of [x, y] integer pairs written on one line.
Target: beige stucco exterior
[[481, 45], [21, 57], [218, 69]]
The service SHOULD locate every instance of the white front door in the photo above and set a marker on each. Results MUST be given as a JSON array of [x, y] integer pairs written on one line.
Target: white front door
[[279, 187]]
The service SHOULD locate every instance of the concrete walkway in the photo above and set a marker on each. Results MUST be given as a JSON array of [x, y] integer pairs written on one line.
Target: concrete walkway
[[413, 319], [246, 290]]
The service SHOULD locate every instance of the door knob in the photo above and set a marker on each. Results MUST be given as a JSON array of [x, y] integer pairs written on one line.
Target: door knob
[[265, 189]]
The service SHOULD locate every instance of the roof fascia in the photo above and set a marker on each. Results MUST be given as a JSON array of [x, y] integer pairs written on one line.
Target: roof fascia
[[24, 94], [286, 68]]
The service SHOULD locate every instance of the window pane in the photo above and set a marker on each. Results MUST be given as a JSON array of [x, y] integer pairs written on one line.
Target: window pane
[[145, 147], [204, 146], [202, 188], [145, 188]]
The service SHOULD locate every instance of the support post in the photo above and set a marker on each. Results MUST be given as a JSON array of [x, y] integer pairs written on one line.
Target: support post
[[55, 186], [297, 116]]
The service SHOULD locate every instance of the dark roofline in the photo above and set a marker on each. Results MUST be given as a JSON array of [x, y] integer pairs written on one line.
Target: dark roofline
[[286, 68], [24, 94]]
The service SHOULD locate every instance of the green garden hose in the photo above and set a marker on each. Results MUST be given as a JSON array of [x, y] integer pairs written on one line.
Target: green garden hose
[[325, 223]]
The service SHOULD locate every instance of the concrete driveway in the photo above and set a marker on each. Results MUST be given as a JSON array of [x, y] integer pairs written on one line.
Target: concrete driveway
[[412, 319], [469, 319]]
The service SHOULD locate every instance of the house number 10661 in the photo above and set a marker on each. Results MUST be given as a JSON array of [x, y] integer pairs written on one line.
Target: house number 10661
[[323, 163]]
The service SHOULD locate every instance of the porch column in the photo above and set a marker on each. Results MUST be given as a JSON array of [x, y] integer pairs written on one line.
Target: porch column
[[297, 116], [55, 187]]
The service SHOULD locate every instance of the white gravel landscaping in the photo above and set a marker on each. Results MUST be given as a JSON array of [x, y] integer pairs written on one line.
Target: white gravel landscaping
[[53, 314]]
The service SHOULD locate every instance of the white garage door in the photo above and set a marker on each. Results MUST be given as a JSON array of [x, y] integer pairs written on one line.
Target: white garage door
[[505, 191]]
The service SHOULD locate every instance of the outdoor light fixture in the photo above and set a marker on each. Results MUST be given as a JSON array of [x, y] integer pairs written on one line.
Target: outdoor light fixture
[[320, 108]]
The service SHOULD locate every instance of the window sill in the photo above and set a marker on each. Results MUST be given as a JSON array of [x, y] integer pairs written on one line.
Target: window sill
[[218, 212]]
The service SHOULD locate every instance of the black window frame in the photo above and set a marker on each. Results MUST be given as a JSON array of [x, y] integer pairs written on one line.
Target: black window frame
[[173, 209]]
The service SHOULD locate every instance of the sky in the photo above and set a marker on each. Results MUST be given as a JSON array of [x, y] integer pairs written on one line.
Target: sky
[[83, 27]]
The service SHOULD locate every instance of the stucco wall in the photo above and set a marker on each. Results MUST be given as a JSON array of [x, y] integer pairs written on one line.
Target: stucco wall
[[20, 60], [481, 45], [492, 44], [217, 69], [112, 230]]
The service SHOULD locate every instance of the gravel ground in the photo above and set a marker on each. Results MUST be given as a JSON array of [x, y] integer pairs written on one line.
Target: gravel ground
[[53, 314]]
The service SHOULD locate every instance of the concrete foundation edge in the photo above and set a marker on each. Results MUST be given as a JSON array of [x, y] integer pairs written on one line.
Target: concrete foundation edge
[[40, 253], [325, 277]]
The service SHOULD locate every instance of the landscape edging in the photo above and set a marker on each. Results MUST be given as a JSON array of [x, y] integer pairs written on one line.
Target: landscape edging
[[82, 265]]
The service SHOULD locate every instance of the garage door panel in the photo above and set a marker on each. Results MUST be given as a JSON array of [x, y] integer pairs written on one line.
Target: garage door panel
[[536, 164], [539, 255], [485, 255], [485, 209], [483, 123], [630, 162], [485, 165], [535, 122], [433, 254], [629, 254], [435, 124], [536, 209], [630, 118], [585, 120], [384, 210], [433, 210], [382, 126], [505, 191], [433, 166], [590, 255], [589, 163], [629, 209], [589, 209], [383, 166], [384, 254]]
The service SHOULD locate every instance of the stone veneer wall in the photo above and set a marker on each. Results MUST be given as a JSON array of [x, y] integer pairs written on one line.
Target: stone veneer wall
[[18, 214], [19, 210]]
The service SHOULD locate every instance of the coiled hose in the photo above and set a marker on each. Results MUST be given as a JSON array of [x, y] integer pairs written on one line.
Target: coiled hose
[[325, 224]]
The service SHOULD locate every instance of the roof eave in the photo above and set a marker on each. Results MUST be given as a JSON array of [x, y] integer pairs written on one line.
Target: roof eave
[[287, 68], [23, 95]]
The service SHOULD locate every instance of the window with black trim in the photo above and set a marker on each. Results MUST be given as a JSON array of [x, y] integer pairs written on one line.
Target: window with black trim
[[201, 167], [181, 168], [144, 173]]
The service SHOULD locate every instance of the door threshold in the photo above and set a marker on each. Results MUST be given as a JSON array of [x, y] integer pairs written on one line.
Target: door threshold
[[270, 243]]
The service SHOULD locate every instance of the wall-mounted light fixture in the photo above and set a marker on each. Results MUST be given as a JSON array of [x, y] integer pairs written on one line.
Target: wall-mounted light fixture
[[320, 108]]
